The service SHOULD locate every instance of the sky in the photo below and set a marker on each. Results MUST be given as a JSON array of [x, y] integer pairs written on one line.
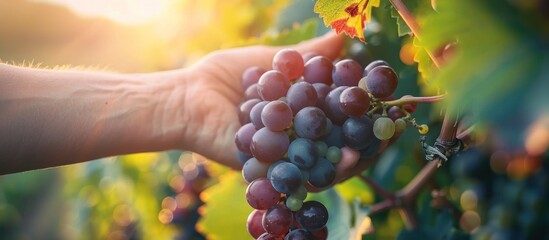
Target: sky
[[122, 11]]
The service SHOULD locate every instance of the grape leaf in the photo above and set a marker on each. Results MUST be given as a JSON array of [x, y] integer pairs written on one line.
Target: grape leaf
[[424, 61], [402, 27], [499, 66], [346, 16], [226, 210]]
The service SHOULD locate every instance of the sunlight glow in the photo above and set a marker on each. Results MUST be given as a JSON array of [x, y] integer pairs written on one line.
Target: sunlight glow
[[122, 11]]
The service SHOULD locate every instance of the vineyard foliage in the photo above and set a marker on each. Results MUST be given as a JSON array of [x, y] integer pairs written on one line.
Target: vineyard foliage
[[495, 80]]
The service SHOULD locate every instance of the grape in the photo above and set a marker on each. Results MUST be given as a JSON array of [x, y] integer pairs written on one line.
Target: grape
[[354, 101], [384, 128], [334, 154], [251, 92], [251, 76], [308, 55], [260, 194], [273, 85], [312, 216], [423, 129], [267, 236], [278, 220], [242, 156], [331, 106], [243, 138], [347, 72], [321, 234], [372, 149], [244, 110], [321, 148], [301, 95], [400, 125], [303, 153], [311, 122], [299, 234], [322, 91], [269, 146], [304, 175], [358, 132], [254, 223], [270, 170], [255, 114], [381, 81], [395, 113], [335, 137], [289, 62], [286, 177], [409, 107], [322, 174], [300, 193], [276, 116], [254, 169], [318, 70], [362, 83], [294, 203], [372, 65]]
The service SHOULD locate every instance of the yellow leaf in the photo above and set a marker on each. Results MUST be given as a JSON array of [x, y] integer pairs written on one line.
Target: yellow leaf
[[346, 16]]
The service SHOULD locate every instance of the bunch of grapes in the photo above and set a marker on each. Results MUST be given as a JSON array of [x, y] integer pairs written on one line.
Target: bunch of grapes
[[296, 119]]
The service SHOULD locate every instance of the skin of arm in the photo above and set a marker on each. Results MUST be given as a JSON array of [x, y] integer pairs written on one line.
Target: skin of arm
[[51, 118]]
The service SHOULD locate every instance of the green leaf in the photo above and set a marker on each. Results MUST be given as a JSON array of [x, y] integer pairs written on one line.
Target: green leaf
[[424, 61], [500, 65], [225, 210], [402, 27]]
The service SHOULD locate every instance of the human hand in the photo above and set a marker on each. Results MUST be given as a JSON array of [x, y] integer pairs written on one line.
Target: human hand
[[213, 93]]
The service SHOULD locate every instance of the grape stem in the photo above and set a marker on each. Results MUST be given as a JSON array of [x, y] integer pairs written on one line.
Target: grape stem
[[408, 100], [410, 20], [405, 199]]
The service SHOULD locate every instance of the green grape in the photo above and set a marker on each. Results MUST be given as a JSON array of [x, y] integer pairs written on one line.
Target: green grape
[[300, 193], [294, 203], [321, 147], [384, 128], [333, 154], [400, 125]]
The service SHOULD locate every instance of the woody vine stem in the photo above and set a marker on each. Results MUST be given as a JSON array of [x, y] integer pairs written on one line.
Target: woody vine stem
[[405, 198]]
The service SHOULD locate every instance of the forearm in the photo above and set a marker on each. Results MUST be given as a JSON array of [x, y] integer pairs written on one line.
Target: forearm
[[53, 118]]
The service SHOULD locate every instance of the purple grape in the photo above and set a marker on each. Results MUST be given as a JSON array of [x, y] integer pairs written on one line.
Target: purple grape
[[289, 62], [242, 156], [322, 91], [322, 174], [312, 216], [254, 223], [354, 101], [409, 107], [268, 236], [277, 116], [268, 146], [335, 137], [243, 138], [244, 110], [331, 106], [278, 220], [300, 95], [255, 114], [318, 70], [250, 76], [347, 72], [254, 169], [303, 153], [260, 194], [358, 132], [395, 113], [286, 177], [311, 123], [299, 234], [273, 85], [372, 65], [251, 92], [381, 81], [308, 55]]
